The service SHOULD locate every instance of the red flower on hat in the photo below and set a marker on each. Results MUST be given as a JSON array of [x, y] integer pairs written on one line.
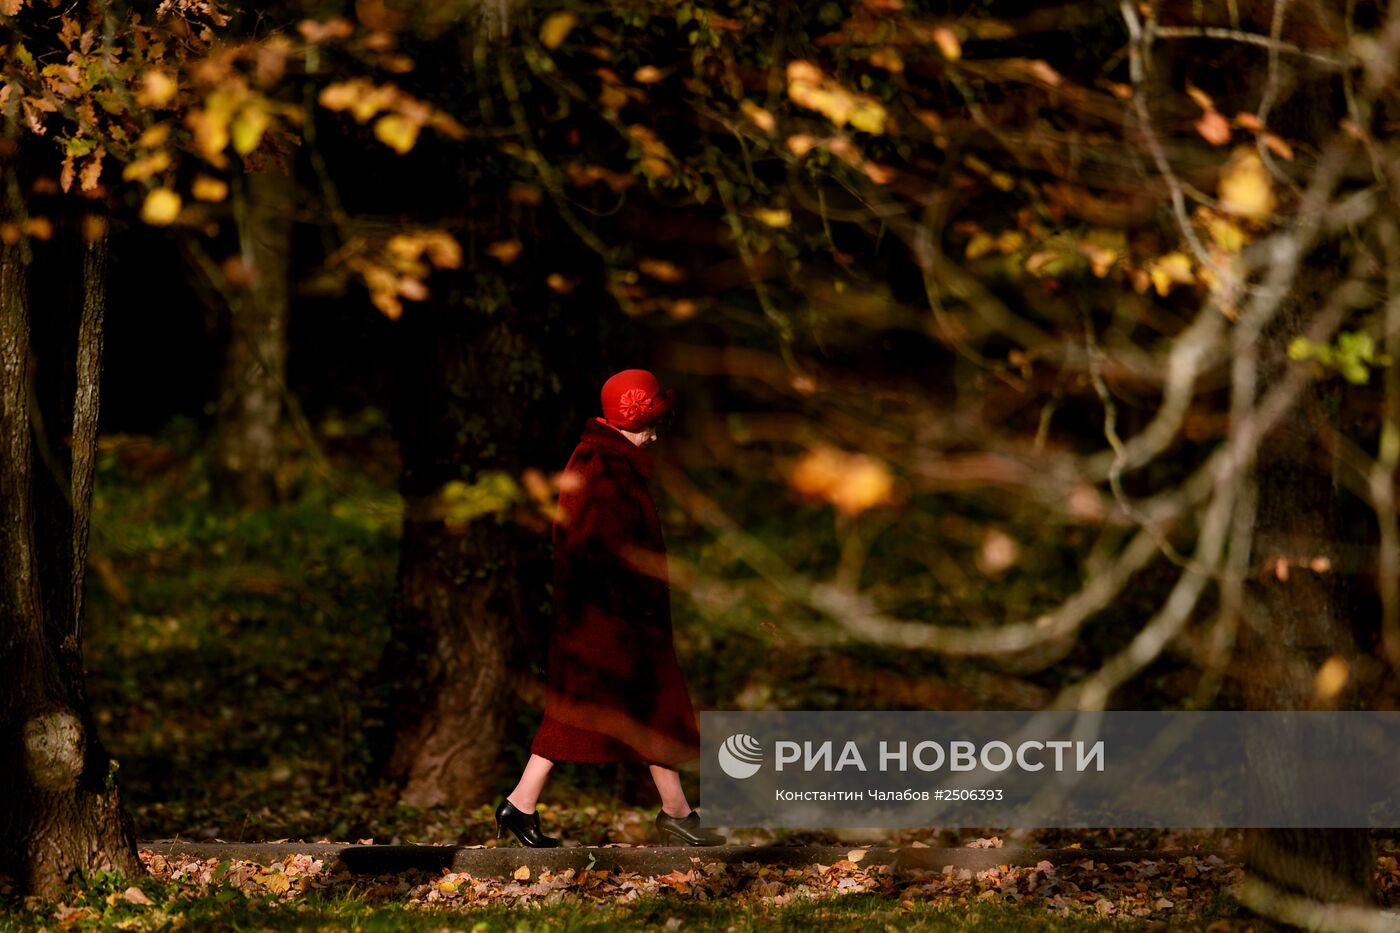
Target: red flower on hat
[[633, 404]]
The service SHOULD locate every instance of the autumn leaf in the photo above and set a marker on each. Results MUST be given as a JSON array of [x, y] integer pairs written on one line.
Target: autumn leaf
[[774, 216], [161, 207], [1213, 128], [1331, 677], [334, 28], [522, 873], [809, 87], [662, 270], [979, 245], [157, 88], [1277, 146], [851, 482], [276, 882], [647, 74], [143, 168], [208, 188], [154, 136], [947, 43], [1201, 98], [248, 128], [1245, 187], [397, 132], [507, 251], [1172, 269], [92, 170], [761, 118], [556, 29]]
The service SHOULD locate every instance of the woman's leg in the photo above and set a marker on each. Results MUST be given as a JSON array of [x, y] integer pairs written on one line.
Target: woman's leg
[[668, 782], [527, 792]]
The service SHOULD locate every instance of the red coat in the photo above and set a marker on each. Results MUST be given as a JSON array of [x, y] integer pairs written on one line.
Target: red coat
[[614, 690]]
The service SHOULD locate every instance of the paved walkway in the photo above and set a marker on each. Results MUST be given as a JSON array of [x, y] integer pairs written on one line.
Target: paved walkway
[[483, 862]]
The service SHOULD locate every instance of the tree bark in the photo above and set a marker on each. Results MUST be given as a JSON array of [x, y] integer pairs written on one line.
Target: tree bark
[[60, 809], [254, 376], [460, 610]]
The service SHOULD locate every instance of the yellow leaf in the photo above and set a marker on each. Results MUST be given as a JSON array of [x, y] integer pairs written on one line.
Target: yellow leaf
[[154, 136], [980, 245], [1172, 269], [1245, 187], [947, 43], [801, 143], [208, 188], [161, 208], [210, 125], [1225, 232], [556, 29], [855, 855], [868, 116], [145, 168], [774, 216], [156, 89], [1009, 241], [397, 132], [276, 882], [1331, 677], [1201, 98], [522, 873], [647, 74], [888, 59], [248, 128], [1002, 181]]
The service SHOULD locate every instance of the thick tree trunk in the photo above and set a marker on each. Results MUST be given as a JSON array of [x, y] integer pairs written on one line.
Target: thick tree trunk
[[60, 810], [1295, 621], [460, 612], [250, 404]]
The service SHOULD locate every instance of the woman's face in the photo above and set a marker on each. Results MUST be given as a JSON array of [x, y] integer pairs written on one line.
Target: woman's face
[[645, 435]]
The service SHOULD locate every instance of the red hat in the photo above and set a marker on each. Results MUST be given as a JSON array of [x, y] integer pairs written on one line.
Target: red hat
[[633, 399]]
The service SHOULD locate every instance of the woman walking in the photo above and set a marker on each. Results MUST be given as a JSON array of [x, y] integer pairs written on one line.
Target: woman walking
[[614, 690]]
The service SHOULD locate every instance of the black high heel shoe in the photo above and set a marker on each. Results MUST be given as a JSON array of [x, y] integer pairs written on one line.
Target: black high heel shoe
[[686, 831], [525, 826]]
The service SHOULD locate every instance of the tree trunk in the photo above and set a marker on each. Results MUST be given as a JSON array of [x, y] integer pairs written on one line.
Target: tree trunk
[[1295, 621], [460, 605], [60, 810], [254, 376]]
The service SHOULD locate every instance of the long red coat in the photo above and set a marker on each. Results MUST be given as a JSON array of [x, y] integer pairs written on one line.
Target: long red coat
[[614, 691]]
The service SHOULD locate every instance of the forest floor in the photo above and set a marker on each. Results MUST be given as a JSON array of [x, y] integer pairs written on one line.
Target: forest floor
[[226, 652]]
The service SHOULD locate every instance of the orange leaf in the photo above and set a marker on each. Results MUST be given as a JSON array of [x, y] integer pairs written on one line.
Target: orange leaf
[[507, 251], [1277, 146], [1213, 128]]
